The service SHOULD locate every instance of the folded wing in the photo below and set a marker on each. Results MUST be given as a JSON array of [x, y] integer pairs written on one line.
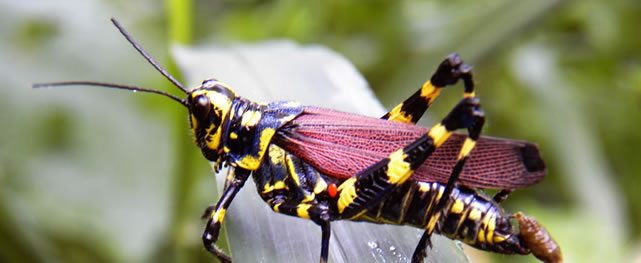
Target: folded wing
[[341, 144]]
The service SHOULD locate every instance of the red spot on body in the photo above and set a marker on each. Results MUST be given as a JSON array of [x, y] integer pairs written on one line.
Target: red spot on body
[[332, 190]]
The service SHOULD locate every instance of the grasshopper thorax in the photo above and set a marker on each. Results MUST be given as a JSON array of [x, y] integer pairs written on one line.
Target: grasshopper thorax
[[209, 105]]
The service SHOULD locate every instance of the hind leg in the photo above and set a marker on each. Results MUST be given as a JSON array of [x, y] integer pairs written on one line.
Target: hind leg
[[365, 189], [448, 73]]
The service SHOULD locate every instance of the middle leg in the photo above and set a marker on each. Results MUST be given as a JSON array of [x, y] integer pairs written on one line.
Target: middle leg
[[317, 212], [289, 186]]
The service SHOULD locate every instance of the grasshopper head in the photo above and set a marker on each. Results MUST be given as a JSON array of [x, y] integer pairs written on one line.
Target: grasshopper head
[[209, 105]]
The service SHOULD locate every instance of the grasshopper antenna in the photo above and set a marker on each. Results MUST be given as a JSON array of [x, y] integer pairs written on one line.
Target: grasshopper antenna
[[109, 85], [146, 55], [149, 59]]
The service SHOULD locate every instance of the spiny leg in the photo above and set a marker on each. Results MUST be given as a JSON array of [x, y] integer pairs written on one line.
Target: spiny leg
[[217, 214], [448, 73], [474, 132], [366, 188]]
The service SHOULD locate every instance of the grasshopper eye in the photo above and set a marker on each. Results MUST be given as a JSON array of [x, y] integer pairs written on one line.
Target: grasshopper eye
[[201, 107]]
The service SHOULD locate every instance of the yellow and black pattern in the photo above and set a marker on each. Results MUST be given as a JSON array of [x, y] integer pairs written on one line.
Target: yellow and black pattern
[[216, 214], [289, 185], [448, 73], [293, 187], [243, 133], [209, 106], [467, 216], [238, 133], [370, 185], [411, 110], [250, 130]]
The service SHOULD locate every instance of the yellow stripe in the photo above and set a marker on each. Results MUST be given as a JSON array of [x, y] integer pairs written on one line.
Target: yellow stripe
[[481, 235], [436, 214], [309, 197], [483, 229], [490, 230], [441, 191], [439, 134], [398, 170], [320, 186], [292, 169], [194, 122], [348, 194], [219, 215], [429, 92], [469, 94], [265, 138], [475, 214], [434, 199], [457, 207], [302, 212], [468, 146], [213, 138], [279, 185], [398, 115], [233, 135], [423, 187], [432, 223], [276, 207], [250, 118], [499, 238], [464, 215], [275, 154], [486, 219], [251, 162], [267, 188]]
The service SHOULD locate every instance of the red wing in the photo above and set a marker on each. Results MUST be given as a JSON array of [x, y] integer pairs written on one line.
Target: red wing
[[342, 144]]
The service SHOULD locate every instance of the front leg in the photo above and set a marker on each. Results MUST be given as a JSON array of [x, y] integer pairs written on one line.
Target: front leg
[[216, 215], [290, 186]]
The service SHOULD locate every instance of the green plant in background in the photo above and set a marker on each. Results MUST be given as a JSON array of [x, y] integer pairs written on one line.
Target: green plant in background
[[563, 73]]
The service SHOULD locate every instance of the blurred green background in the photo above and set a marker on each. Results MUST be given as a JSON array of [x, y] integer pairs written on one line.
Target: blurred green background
[[89, 175]]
